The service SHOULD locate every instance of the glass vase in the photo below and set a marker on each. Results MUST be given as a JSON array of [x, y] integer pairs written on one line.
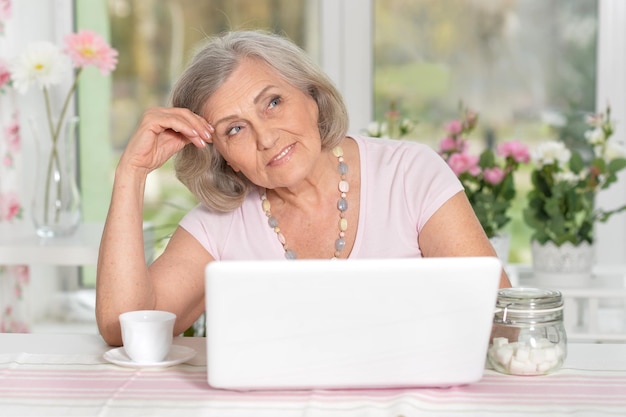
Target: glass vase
[[56, 202]]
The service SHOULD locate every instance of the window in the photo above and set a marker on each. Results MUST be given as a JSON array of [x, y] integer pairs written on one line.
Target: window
[[155, 40], [525, 65], [528, 67]]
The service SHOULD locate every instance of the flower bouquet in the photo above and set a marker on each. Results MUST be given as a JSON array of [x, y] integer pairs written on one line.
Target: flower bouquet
[[561, 204], [56, 207], [488, 178]]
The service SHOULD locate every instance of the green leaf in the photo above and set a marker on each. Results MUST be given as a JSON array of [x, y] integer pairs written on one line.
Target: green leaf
[[487, 159], [616, 165], [576, 163]]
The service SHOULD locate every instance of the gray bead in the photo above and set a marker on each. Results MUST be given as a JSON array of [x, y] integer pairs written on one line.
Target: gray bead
[[340, 244], [272, 221], [289, 254], [342, 204], [343, 168]]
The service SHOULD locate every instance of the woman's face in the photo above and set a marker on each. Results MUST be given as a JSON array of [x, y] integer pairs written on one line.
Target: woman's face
[[265, 128]]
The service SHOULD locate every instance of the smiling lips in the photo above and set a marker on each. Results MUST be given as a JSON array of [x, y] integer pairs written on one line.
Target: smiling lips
[[278, 158]]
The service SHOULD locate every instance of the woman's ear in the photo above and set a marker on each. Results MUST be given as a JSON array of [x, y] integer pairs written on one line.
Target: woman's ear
[[232, 167]]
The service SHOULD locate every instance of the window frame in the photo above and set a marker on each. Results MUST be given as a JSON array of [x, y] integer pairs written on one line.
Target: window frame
[[611, 88]]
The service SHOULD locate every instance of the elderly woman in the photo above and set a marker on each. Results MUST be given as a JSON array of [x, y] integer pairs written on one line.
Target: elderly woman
[[260, 137]]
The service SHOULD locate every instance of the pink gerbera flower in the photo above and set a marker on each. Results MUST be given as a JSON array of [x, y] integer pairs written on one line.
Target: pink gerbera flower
[[88, 48]]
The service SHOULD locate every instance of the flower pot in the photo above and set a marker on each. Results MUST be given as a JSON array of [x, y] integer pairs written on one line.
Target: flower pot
[[56, 202], [565, 266]]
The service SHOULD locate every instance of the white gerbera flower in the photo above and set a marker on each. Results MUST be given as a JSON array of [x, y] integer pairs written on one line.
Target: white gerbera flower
[[41, 63], [551, 152]]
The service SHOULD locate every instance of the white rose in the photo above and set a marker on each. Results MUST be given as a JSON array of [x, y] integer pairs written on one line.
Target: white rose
[[613, 150], [595, 136], [566, 176], [374, 129], [551, 152]]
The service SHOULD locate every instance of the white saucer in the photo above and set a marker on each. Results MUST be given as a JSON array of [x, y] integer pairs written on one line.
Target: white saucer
[[177, 355]]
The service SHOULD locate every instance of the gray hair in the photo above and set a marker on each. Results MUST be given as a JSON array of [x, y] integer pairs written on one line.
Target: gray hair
[[204, 171]]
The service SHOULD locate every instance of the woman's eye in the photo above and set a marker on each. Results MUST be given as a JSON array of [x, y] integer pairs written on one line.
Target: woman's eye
[[275, 101], [233, 130]]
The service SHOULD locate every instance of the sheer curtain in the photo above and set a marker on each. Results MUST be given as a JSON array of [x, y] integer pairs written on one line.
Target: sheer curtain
[[14, 279]]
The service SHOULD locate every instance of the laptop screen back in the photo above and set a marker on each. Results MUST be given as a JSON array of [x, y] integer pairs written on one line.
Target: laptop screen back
[[349, 323]]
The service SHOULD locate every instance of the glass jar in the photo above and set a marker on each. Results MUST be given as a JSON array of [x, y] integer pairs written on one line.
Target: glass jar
[[528, 336]]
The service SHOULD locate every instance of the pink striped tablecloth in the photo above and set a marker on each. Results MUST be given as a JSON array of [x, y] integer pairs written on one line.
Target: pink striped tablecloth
[[83, 384]]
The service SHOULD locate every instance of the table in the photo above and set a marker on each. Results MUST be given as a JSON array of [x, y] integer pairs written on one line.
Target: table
[[65, 375]]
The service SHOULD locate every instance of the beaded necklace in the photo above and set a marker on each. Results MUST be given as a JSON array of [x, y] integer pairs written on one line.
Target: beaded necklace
[[342, 206]]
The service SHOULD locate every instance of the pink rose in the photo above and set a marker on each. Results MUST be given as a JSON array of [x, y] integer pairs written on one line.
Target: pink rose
[[516, 150], [464, 162], [493, 176], [447, 144], [471, 119], [454, 127], [450, 144]]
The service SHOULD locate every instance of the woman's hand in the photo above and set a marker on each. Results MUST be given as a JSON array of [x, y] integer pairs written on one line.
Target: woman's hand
[[161, 133]]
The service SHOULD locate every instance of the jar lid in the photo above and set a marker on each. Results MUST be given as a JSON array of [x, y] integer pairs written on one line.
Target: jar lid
[[529, 299]]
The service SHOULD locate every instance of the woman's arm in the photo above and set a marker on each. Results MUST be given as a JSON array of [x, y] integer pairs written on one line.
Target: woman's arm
[[454, 230], [124, 281]]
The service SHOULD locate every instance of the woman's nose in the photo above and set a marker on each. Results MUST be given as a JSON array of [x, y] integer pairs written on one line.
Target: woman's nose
[[266, 137]]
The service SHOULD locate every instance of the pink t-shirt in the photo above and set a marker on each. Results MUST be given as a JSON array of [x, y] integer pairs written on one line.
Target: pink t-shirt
[[402, 184]]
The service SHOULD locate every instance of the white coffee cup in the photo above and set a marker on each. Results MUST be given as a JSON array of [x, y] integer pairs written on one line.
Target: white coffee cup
[[147, 334]]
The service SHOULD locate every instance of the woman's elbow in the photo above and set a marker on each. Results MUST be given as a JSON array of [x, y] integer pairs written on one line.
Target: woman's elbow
[[109, 328]]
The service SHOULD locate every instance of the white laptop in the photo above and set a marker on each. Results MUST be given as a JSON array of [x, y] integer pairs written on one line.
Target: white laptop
[[375, 323]]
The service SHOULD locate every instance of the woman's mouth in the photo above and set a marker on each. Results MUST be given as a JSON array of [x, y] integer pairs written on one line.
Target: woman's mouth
[[283, 156]]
